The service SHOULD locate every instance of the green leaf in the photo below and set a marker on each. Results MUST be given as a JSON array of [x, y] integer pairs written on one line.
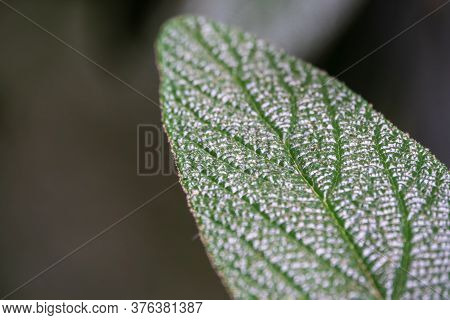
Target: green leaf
[[299, 188]]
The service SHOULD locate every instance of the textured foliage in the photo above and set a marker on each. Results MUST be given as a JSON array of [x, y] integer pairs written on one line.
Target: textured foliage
[[300, 189]]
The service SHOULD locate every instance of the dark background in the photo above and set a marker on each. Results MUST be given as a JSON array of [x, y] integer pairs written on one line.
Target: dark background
[[68, 130]]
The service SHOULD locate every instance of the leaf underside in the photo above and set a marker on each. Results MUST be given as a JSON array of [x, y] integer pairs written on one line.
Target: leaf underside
[[299, 188]]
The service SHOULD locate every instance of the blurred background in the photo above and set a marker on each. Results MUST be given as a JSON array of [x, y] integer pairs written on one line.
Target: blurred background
[[68, 129]]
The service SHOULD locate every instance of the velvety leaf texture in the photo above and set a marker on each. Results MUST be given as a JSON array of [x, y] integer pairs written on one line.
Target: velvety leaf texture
[[299, 188]]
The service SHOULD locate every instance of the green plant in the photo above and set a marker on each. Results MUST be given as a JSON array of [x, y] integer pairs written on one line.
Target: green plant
[[299, 188]]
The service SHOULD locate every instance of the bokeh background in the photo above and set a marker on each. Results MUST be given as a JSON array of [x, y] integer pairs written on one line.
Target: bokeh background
[[68, 129]]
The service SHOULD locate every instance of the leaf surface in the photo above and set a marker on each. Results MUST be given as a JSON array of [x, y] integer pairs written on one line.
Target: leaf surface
[[299, 188]]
